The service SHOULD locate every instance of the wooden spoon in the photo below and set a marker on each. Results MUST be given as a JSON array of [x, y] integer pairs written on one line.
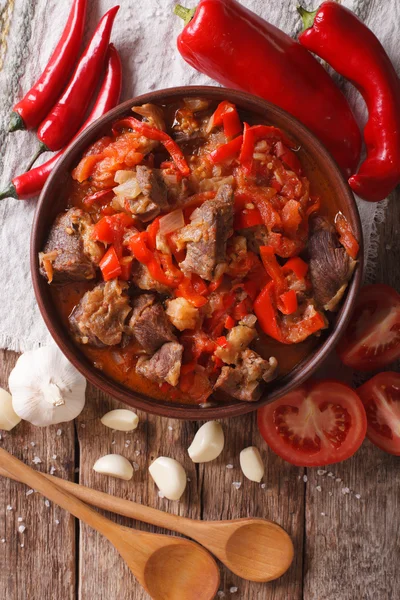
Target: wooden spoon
[[254, 549], [169, 568]]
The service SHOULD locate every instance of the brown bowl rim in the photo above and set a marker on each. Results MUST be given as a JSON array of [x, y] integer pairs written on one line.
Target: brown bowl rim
[[301, 371]]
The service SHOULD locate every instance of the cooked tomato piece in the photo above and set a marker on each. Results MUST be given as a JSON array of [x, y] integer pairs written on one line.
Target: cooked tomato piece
[[319, 423], [372, 340], [381, 398]]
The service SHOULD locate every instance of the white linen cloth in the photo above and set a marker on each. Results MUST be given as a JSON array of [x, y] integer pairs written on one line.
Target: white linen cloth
[[145, 33]]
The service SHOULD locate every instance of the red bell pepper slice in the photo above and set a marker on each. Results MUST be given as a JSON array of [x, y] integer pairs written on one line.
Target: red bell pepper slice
[[222, 342], [226, 115], [288, 302], [110, 265], [199, 286], [111, 229], [139, 248], [214, 285], [296, 265], [241, 309], [229, 322], [226, 151], [96, 197], [186, 290], [272, 266], [155, 134], [247, 150], [262, 132], [346, 237], [152, 231], [247, 218], [266, 313], [288, 157]]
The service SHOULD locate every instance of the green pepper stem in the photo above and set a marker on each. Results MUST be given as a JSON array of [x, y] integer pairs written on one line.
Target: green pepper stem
[[184, 13], [9, 192], [307, 16], [16, 122], [42, 148]]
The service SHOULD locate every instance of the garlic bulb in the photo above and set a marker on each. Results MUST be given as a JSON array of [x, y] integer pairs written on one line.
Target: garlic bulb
[[8, 418], [46, 389], [169, 476]]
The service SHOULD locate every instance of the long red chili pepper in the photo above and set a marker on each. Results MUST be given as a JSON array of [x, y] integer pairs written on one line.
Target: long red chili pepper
[[237, 48], [29, 184], [36, 103], [67, 114], [339, 37]]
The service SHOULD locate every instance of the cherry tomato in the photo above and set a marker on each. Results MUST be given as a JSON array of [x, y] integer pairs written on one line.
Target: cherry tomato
[[372, 340], [319, 423], [381, 398]]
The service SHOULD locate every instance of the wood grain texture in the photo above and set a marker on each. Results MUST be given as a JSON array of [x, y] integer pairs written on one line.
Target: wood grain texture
[[44, 567]]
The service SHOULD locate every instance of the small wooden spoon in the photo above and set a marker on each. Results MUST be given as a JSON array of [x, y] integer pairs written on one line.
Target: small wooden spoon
[[169, 568], [254, 549]]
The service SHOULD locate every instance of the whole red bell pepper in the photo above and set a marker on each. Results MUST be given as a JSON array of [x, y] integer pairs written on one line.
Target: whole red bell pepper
[[36, 103], [29, 184], [339, 37], [237, 48]]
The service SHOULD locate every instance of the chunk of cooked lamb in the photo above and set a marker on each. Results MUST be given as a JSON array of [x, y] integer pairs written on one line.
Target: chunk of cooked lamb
[[99, 318], [206, 236], [330, 266], [182, 314], [238, 339], [164, 365], [256, 236], [245, 381], [152, 185], [149, 323], [69, 253]]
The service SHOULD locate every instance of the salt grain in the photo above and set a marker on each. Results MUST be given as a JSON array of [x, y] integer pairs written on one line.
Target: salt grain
[[318, 488], [36, 460], [54, 457], [29, 492], [113, 443], [47, 503], [188, 479], [161, 495], [21, 528], [59, 432], [57, 522], [0, 437], [305, 478], [83, 425], [127, 443], [3, 541], [237, 485], [9, 507], [52, 470], [338, 480], [263, 486], [170, 428], [137, 452], [33, 444], [22, 545], [321, 472], [229, 466], [220, 594], [135, 466], [323, 514], [20, 519], [25, 447], [330, 474], [330, 493], [233, 590], [358, 496], [345, 490]]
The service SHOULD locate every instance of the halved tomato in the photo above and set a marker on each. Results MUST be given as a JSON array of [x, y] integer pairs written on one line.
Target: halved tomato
[[381, 398], [372, 340], [319, 423]]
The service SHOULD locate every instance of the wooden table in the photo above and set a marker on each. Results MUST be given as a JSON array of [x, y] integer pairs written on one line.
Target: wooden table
[[344, 520]]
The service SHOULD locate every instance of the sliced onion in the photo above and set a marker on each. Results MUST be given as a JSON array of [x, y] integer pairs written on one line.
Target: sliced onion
[[280, 149], [129, 190], [196, 104], [122, 176], [171, 222]]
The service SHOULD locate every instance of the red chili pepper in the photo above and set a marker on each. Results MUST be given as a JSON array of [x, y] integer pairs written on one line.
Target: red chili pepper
[[227, 115], [226, 151], [66, 116], [109, 265], [338, 36], [36, 103], [160, 136], [29, 184], [237, 48]]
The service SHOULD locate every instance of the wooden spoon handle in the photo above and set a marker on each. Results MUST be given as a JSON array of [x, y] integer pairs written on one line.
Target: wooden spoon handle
[[14, 468], [127, 508]]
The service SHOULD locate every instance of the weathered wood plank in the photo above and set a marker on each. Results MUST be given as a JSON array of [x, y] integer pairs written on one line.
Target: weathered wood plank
[[281, 499], [353, 551], [103, 574], [38, 564]]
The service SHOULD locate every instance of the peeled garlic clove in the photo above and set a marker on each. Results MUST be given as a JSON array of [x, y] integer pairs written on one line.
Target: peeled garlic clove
[[208, 443], [252, 464], [121, 419], [169, 476], [8, 417], [115, 466]]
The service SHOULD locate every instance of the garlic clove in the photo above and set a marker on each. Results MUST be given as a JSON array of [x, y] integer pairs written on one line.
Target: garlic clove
[[169, 476], [115, 466], [46, 388], [121, 419], [251, 464], [208, 443], [8, 417]]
